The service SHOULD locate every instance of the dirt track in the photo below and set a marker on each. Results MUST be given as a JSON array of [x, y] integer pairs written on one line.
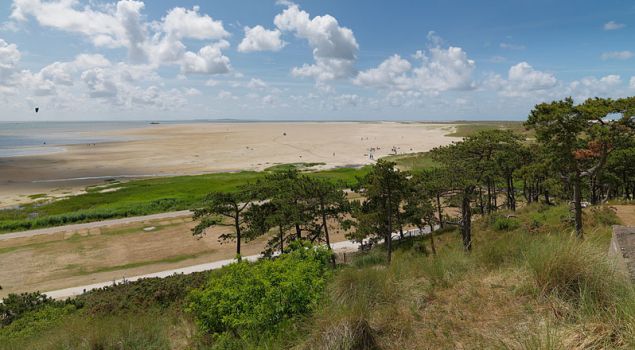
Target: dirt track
[[101, 253], [626, 213]]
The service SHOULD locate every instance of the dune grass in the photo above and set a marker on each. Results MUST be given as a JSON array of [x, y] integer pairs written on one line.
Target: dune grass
[[471, 128], [528, 286]]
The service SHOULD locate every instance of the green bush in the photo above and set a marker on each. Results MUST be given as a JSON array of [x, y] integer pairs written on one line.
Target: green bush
[[16, 305], [252, 298], [58, 330], [505, 224], [33, 322], [141, 294]]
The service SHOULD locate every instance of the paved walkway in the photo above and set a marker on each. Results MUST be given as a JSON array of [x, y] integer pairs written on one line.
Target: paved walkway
[[96, 224], [344, 246]]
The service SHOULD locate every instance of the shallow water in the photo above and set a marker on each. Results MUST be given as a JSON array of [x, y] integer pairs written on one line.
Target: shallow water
[[35, 138]]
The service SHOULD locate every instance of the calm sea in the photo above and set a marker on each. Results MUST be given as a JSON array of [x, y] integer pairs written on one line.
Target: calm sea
[[33, 138]]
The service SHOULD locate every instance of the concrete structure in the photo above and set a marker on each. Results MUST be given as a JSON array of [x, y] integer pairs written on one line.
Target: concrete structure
[[622, 249]]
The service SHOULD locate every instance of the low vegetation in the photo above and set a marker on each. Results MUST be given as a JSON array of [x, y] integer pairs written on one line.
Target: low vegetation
[[520, 288], [522, 265], [142, 197]]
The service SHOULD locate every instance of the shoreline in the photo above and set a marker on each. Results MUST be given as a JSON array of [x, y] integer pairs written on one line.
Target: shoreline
[[203, 148]]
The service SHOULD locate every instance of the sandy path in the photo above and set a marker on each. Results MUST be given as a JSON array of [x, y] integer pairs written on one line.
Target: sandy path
[[338, 247], [626, 213], [194, 148], [95, 225]]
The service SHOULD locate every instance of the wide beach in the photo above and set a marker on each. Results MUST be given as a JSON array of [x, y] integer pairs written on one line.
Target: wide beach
[[195, 148]]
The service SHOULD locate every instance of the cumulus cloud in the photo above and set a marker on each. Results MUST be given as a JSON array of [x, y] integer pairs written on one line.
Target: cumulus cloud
[[439, 69], [208, 60], [334, 47], [257, 84], [522, 80], [593, 87], [389, 73], [260, 39], [184, 23], [612, 25], [631, 83], [617, 55], [9, 58], [123, 25]]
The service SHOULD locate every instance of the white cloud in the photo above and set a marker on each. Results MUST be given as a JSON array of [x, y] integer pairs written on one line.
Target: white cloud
[[192, 92], [9, 58], [440, 69], [184, 23], [389, 73], [123, 25], [617, 55], [211, 82], [99, 83], [260, 39], [102, 28], [522, 80], [631, 83], [445, 69], [208, 60], [257, 84], [612, 25], [334, 47], [593, 87]]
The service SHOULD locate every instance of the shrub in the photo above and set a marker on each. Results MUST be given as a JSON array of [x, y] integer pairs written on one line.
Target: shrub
[[141, 294], [248, 298], [505, 224], [34, 322], [16, 305]]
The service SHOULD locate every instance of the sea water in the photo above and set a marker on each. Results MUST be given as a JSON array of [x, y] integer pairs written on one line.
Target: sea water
[[36, 138]]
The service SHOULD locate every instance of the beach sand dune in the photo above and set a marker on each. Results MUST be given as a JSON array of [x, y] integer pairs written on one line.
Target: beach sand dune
[[194, 148]]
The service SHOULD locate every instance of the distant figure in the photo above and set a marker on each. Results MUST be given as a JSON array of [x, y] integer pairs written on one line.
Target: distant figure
[[37, 109]]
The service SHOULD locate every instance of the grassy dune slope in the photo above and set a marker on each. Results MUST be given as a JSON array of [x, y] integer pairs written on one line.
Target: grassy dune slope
[[526, 285]]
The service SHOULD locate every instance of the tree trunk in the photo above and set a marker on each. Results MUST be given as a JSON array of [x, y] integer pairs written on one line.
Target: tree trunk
[[547, 201], [326, 231], [238, 237], [480, 197], [281, 239], [401, 236], [434, 250], [489, 196], [511, 196], [577, 203], [466, 228], [440, 214], [298, 231]]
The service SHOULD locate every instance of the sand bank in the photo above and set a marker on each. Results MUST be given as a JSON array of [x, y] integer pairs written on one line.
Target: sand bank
[[195, 148]]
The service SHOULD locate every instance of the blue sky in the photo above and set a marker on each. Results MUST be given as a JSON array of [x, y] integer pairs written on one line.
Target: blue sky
[[307, 60]]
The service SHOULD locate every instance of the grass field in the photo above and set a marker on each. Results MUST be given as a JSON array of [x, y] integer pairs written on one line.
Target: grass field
[[413, 161], [471, 128], [142, 197]]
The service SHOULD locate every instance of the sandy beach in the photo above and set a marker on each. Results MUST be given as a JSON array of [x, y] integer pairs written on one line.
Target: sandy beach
[[194, 148]]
